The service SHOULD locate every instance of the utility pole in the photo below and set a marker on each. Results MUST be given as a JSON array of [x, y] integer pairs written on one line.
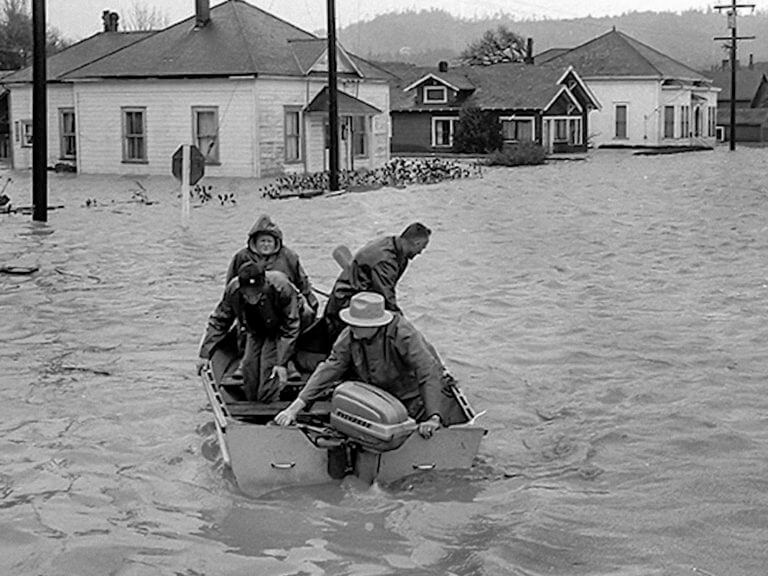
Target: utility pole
[[333, 103], [39, 116], [732, 13]]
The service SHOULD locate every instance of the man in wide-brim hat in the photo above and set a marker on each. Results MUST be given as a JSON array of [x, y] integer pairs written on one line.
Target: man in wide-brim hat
[[383, 349]]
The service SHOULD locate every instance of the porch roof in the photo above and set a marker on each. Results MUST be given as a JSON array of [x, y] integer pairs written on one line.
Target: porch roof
[[347, 104]]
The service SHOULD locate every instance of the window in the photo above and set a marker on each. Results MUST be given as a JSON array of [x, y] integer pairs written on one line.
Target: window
[[25, 136], [442, 132], [517, 129], [360, 136], [669, 121], [712, 120], [561, 130], [685, 121], [293, 135], [435, 95], [134, 135], [205, 124], [67, 141], [621, 121], [574, 130]]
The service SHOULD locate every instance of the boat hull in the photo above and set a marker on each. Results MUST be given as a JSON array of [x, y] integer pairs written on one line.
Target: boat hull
[[265, 457]]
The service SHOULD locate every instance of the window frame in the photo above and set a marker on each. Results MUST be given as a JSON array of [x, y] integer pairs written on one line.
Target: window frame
[[618, 133], [516, 120], [364, 137], [64, 136], [669, 123], [443, 98], [214, 157], [685, 121], [451, 130], [25, 135], [289, 137], [138, 137]]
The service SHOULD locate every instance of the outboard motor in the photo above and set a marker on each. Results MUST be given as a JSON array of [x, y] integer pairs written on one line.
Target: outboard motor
[[370, 416]]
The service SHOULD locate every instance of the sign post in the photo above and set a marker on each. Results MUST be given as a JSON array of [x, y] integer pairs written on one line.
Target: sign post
[[188, 166]]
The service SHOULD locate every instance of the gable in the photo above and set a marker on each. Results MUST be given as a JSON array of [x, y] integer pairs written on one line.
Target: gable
[[563, 104], [453, 83], [344, 64]]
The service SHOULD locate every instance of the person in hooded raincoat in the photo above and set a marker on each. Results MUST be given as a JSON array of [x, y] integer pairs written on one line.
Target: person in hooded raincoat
[[270, 311], [387, 351], [265, 245], [376, 267]]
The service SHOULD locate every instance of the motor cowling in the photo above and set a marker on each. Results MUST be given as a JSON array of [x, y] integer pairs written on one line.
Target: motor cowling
[[370, 416]]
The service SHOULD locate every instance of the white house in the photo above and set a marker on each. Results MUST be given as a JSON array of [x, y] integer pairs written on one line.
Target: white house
[[238, 82], [647, 98]]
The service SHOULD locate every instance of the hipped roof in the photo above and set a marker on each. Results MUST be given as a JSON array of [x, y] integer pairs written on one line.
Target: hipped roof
[[74, 56], [239, 40], [615, 54]]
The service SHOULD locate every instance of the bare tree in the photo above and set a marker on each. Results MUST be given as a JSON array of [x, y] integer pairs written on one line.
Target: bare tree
[[143, 17], [501, 45]]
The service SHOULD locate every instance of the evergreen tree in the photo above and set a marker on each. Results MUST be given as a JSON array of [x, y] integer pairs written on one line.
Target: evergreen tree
[[16, 44], [477, 132], [501, 45]]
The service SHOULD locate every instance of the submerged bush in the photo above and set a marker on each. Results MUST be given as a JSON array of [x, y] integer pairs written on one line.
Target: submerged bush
[[477, 132], [520, 154]]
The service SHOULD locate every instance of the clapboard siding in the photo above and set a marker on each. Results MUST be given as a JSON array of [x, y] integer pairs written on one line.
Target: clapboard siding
[[58, 96], [251, 123], [645, 102], [169, 123]]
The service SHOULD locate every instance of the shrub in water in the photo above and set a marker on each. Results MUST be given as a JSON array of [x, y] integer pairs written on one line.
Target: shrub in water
[[477, 132]]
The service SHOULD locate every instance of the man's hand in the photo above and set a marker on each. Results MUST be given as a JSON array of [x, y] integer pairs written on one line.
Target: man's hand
[[288, 416], [202, 364], [428, 427], [281, 372]]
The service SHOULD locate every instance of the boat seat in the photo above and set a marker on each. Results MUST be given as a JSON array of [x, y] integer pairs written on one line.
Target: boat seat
[[266, 412]]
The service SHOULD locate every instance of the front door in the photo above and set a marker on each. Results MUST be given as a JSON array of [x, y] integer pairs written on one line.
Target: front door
[[345, 143]]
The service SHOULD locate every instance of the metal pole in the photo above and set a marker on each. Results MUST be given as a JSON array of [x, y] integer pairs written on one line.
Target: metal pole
[[333, 105], [39, 116]]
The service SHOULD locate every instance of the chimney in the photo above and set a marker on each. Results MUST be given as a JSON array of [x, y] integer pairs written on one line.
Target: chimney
[[110, 20], [202, 13], [529, 51], [442, 66]]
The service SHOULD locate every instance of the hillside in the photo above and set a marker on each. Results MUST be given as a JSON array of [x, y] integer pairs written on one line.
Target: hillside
[[427, 36]]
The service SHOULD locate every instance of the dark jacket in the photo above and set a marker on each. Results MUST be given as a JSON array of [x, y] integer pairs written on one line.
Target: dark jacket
[[282, 259], [377, 267], [396, 360], [278, 315]]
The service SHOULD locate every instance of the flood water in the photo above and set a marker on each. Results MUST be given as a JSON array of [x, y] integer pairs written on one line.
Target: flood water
[[609, 314]]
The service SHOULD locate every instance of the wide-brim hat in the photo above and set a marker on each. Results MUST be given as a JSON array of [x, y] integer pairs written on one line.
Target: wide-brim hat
[[366, 310]]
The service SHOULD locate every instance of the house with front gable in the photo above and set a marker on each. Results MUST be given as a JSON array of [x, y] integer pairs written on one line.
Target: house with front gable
[[647, 98], [750, 102], [247, 88], [549, 105]]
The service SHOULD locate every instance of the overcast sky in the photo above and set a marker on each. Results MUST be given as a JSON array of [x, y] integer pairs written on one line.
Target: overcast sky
[[81, 18]]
